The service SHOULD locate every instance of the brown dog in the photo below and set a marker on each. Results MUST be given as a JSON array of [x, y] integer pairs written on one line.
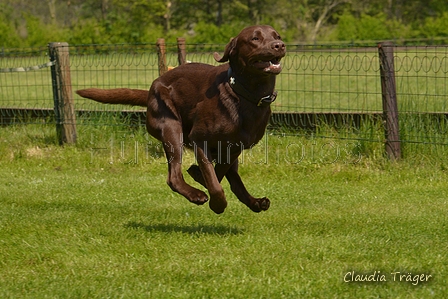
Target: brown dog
[[216, 111]]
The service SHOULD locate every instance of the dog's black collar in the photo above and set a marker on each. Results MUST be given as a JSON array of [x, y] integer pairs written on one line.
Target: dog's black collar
[[244, 93]]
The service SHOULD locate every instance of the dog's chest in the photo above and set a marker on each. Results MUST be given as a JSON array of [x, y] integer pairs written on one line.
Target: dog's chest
[[252, 128], [241, 127]]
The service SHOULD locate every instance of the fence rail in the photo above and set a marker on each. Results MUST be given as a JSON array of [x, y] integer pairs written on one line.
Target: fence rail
[[328, 86]]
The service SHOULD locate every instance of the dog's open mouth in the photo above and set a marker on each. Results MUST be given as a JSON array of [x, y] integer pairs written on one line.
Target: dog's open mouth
[[270, 66]]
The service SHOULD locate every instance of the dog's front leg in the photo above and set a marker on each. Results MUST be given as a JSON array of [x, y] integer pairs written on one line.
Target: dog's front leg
[[230, 171], [218, 202], [238, 188]]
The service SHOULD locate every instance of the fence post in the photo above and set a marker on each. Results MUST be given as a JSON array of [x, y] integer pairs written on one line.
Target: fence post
[[62, 92], [389, 95], [181, 50], [161, 52]]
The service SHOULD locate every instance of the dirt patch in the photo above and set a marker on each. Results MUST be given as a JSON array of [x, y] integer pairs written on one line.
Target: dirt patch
[[34, 152]]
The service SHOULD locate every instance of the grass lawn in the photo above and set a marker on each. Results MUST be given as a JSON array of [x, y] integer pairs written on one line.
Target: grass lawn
[[97, 220]]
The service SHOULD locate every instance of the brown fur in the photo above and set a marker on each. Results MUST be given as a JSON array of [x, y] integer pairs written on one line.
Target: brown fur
[[195, 106]]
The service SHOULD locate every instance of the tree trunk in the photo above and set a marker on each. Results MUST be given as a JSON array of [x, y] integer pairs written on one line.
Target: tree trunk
[[104, 9], [219, 14], [319, 23], [329, 6], [52, 8], [168, 17]]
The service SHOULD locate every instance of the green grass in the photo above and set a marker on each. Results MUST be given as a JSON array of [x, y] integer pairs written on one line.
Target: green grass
[[97, 220]]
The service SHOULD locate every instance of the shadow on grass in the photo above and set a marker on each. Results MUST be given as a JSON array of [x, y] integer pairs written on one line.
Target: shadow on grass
[[43, 140], [186, 229]]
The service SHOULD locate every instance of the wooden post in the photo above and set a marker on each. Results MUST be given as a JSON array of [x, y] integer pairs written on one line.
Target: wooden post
[[389, 95], [161, 52], [181, 51], [62, 93]]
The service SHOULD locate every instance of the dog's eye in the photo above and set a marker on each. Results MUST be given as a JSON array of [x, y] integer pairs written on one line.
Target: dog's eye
[[255, 38]]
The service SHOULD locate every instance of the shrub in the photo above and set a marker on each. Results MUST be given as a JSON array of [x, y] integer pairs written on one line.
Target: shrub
[[436, 27], [368, 27], [212, 34]]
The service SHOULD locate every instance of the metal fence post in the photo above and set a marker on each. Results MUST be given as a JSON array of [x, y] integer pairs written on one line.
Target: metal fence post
[[389, 95], [64, 108]]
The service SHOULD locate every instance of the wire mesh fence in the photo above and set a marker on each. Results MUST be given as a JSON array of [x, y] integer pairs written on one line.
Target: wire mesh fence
[[330, 79], [321, 88]]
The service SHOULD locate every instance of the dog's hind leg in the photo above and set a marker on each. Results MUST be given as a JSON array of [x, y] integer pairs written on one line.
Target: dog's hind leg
[[218, 201], [221, 167], [173, 150], [195, 172], [163, 123]]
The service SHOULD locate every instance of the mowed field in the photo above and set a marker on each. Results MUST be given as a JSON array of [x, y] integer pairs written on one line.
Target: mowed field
[[97, 220]]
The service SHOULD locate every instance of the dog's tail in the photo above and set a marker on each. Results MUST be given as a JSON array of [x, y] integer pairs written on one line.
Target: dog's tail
[[124, 96]]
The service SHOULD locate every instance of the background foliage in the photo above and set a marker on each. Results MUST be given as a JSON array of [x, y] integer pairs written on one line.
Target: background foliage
[[27, 23]]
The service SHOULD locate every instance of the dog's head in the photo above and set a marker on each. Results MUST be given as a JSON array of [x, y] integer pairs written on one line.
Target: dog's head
[[255, 49]]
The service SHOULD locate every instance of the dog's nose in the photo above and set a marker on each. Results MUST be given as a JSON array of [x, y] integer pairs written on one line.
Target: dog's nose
[[278, 46]]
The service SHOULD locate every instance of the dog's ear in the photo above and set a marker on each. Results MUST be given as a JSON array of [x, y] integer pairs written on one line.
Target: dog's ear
[[230, 47]]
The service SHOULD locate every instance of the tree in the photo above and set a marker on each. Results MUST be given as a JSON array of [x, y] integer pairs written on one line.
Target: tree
[[323, 9], [52, 9], [118, 21]]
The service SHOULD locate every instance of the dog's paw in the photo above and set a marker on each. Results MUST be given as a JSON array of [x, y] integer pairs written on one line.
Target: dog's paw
[[260, 204], [198, 197], [218, 205]]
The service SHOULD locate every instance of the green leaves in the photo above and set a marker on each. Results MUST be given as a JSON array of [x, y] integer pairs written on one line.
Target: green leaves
[[25, 24]]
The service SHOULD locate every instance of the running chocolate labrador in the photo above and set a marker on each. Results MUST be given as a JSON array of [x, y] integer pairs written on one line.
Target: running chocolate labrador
[[215, 110]]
